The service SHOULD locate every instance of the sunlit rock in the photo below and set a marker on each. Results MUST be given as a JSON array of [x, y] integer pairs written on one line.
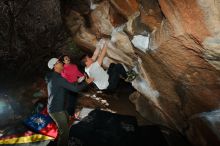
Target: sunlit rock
[[85, 38], [93, 5], [160, 34], [125, 50], [149, 110], [151, 14], [81, 35], [212, 51], [141, 42], [212, 20], [74, 21], [101, 19], [143, 84], [114, 52], [126, 8], [211, 12], [182, 20], [134, 25]]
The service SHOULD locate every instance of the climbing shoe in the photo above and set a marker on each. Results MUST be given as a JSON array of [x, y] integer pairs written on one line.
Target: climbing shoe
[[131, 75]]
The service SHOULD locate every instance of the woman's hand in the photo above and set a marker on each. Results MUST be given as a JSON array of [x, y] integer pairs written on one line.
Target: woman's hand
[[81, 79]]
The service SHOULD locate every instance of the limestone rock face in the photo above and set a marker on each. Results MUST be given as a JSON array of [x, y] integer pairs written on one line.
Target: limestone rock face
[[74, 21], [152, 110], [151, 14], [101, 19], [85, 38], [205, 126], [120, 55], [127, 8], [104, 18], [82, 35], [183, 20], [134, 25], [179, 74], [201, 21]]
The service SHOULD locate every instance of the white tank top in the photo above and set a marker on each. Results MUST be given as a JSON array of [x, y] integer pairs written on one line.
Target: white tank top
[[99, 74]]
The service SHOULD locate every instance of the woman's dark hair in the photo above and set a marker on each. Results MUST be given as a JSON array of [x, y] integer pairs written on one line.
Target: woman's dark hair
[[61, 58]]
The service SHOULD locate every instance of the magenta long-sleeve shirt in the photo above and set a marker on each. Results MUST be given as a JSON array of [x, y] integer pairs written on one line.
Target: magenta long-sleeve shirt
[[71, 73]]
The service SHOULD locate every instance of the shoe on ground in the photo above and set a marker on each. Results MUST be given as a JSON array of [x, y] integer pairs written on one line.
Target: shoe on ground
[[73, 118]]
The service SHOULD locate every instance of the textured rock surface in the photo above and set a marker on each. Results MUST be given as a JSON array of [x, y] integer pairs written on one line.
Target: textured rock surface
[[147, 108], [178, 76], [201, 21], [85, 38], [183, 20], [127, 8], [211, 13], [151, 14], [101, 20], [104, 19], [205, 126], [82, 35], [31, 30]]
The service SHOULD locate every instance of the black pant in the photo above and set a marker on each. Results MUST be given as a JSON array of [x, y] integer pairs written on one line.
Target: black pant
[[71, 102], [114, 72]]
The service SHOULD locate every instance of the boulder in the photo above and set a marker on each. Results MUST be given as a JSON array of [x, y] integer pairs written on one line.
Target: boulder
[[204, 128], [134, 25], [178, 77], [74, 21], [85, 38], [104, 18], [151, 14], [126, 8]]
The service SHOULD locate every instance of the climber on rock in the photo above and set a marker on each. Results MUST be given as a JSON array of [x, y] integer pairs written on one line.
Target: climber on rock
[[105, 79]]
